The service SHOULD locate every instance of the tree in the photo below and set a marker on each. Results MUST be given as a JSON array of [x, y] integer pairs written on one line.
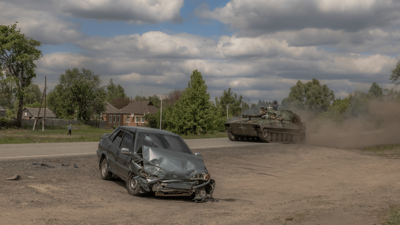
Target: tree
[[358, 104], [155, 100], [115, 91], [311, 95], [80, 91], [17, 56], [32, 97], [376, 90], [395, 73], [8, 88], [173, 97], [193, 112], [32, 94], [53, 103], [231, 100]]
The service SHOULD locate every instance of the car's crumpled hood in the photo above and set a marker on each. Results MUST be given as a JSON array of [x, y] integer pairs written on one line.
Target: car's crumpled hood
[[167, 164]]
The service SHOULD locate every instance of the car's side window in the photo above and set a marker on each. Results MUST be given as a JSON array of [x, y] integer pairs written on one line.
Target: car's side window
[[118, 138], [127, 142], [112, 135]]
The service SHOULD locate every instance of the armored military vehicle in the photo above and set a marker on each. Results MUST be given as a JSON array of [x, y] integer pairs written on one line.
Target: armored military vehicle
[[275, 126]]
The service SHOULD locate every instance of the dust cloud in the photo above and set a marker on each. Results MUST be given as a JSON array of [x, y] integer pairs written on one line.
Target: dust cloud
[[381, 125]]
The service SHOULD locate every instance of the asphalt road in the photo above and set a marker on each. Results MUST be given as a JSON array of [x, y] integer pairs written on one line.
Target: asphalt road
[[8, 151]]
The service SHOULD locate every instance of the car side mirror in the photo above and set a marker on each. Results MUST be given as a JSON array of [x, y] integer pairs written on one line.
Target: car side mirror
[[125, 151], [197, 154]]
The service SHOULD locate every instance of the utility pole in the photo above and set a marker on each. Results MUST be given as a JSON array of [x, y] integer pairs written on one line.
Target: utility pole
[[161, 113], [41, 102], [45, 96]]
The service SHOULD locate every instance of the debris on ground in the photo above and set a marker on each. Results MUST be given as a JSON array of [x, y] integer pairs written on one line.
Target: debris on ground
[[31, 177], [43, 164], [289, 218], [16, 177], [76, 166], [64, 164]]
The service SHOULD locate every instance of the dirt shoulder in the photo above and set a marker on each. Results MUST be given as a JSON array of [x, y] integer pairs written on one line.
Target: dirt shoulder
[[268, 184]]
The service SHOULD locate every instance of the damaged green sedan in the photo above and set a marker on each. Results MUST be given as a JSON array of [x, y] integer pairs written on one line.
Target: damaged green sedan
[[152, 160]]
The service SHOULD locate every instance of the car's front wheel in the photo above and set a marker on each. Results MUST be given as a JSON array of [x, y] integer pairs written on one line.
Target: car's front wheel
[[105, 174], [133, 186]]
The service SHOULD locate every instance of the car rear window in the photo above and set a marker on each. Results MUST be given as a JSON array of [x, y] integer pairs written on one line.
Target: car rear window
[[169, 142]]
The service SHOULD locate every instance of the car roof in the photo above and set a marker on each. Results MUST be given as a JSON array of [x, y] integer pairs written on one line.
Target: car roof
[[147, 129]]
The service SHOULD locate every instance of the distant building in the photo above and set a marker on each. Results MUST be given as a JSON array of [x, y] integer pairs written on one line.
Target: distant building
[[112, 116], [32, 113], [130, 115], [2, 111]]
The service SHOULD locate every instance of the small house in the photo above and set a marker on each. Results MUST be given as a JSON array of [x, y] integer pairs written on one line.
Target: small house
[[134, 112], [32, 113], [112, 116], [130, 115]]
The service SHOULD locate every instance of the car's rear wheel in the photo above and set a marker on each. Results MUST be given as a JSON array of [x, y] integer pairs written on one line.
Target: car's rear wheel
[[105, 174], [133, 186]]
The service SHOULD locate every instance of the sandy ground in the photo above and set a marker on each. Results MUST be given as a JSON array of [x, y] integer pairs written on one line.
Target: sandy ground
[[260, 185]]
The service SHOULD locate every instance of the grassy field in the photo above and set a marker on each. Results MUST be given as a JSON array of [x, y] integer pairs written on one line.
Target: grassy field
[[391, 217], [80, 133], [389, 151]]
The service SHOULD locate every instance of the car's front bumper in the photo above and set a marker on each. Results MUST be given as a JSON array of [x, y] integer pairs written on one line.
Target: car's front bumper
[[202, 189]]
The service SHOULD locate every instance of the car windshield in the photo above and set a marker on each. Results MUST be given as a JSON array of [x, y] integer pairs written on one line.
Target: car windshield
[[169, 142]]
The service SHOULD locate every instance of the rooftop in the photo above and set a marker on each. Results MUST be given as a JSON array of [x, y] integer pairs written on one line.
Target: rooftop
[[139, 107]]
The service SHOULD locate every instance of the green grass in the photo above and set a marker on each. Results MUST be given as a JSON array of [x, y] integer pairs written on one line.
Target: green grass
[[394, 218], [389, 151], [390, 216], [80, 133], [215, 135]]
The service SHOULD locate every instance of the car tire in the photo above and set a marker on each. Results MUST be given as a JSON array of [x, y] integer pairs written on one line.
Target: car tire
[[104, 173], [133, 186]]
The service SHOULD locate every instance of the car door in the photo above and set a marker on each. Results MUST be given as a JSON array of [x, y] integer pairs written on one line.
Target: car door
[[114, 151], [123, 160], [105, 145]]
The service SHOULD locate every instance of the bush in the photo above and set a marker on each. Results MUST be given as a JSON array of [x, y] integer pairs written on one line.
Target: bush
[[4, 120]]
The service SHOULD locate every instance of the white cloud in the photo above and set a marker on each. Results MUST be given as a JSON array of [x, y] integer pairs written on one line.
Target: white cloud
[[40, 25], [265, 16], [262, 65], [152, 44], [135, 11], [48, 21]]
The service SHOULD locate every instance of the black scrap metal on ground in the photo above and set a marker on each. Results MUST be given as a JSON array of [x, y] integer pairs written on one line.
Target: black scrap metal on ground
[[42, 164]]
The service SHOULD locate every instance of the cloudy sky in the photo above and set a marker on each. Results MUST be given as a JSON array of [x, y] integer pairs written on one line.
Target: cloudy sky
[[259, 48]]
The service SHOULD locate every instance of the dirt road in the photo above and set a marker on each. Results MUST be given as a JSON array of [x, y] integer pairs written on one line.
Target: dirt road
[[8, 151], [268, 184]]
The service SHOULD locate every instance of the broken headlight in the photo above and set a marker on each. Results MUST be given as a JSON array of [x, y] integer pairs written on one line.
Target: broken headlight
[[203, 176]]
